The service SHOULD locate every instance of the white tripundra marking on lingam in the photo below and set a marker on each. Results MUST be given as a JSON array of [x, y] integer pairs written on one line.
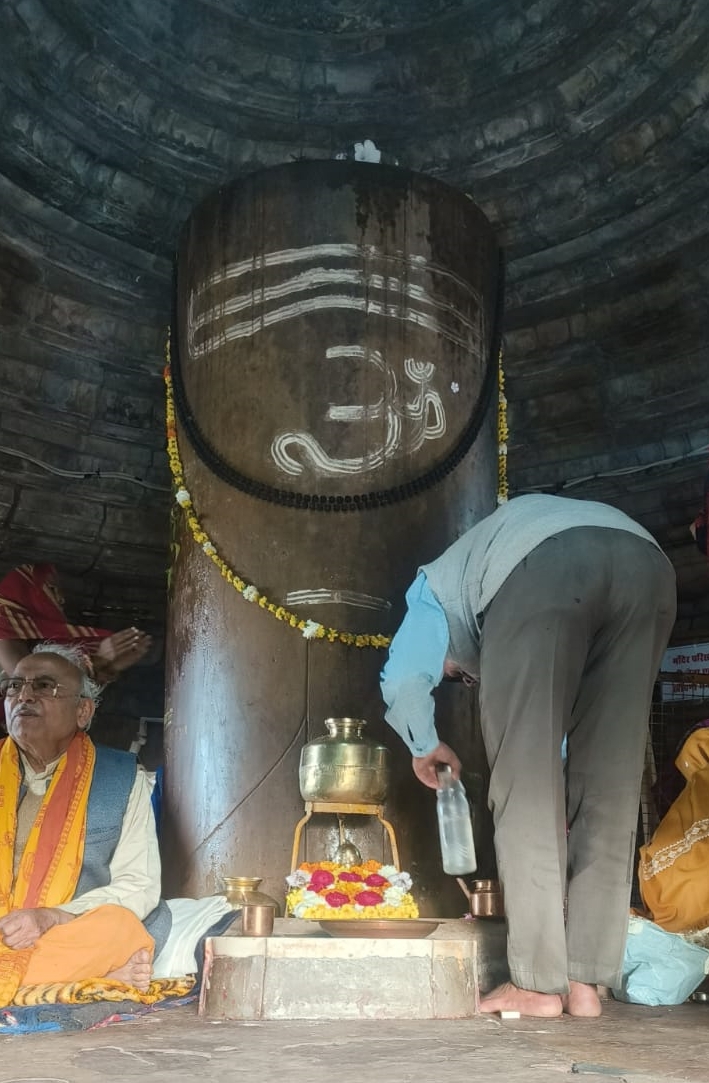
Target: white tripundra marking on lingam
[[333, 597], [315, 279], [357, 287], [248, 328], [319, 251], [424, 414]]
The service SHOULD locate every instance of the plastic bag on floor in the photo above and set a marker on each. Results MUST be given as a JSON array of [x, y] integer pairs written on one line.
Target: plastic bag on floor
[[659, 967]]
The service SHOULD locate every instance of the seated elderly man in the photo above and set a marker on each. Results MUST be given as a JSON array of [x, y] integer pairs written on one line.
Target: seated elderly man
[[79, 859]]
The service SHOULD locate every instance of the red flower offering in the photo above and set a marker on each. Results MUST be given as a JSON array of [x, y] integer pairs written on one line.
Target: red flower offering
[[368, 898], [327, 890], [337, 898], [320, 879]]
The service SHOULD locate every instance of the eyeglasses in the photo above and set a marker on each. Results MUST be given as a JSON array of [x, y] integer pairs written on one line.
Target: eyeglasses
[[42, 688], [461, 678]]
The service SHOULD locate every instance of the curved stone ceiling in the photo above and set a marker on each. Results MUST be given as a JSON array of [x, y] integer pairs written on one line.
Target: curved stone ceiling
[[581, 129]]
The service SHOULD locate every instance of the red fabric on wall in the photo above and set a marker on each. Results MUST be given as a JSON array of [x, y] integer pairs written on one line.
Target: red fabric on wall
[[30, 608]]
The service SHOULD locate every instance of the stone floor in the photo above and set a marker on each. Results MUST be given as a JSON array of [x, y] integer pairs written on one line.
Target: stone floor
[[640, 1045]]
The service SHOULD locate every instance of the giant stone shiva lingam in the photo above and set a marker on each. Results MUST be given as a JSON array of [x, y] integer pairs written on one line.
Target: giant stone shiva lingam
[[346, 774]]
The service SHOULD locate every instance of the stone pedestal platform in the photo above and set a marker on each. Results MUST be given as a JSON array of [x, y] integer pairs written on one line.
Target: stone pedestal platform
[[302, 973]]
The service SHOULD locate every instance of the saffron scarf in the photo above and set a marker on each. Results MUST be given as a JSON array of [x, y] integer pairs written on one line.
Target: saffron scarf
[[51, 862], [30, 608]]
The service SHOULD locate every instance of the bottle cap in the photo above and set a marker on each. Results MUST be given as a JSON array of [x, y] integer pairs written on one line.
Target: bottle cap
[[444, 776]]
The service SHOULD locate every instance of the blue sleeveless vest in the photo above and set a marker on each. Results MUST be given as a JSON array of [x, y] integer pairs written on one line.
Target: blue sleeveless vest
[[114, 775]]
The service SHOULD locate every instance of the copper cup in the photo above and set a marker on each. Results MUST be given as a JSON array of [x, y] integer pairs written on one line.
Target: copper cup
[[257, 919], [486, 899]]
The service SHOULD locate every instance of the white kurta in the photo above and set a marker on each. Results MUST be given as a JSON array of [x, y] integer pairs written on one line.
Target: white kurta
[[135, 866]]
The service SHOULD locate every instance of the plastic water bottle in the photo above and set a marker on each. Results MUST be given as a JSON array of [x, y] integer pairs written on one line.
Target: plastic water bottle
[[454, 825]]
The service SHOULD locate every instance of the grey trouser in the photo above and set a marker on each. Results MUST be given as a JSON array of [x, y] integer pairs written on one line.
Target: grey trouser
[[571, 644]]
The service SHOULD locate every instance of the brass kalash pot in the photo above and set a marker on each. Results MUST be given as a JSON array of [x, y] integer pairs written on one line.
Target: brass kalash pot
[[343, 767], [345, 773]]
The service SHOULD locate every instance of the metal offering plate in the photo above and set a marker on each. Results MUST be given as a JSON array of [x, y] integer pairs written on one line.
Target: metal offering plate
[[382, 929]]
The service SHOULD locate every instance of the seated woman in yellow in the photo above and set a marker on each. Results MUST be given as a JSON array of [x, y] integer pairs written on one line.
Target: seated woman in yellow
[[674, 865]]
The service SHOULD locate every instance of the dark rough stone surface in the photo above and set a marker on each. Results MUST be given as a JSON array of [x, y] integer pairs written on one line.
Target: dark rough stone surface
[[579, 128]]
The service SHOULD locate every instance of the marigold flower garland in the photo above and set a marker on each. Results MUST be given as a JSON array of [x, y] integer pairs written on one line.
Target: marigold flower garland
[[310, 629], [327, 891]]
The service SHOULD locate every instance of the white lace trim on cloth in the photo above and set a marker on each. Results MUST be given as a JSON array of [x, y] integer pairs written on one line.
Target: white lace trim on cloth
[[667, 856], [696, 936]]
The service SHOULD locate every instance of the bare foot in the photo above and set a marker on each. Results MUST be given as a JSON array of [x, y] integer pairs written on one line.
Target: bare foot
[[509, 998], [582, 1001], [136, 971]]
